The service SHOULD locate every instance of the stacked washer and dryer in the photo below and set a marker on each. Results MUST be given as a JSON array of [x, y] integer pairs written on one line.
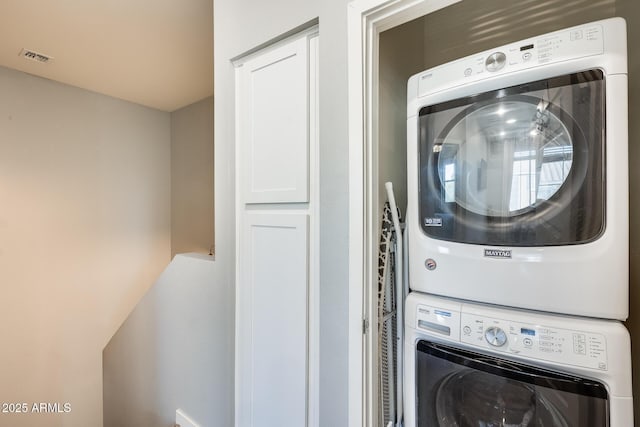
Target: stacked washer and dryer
[[517, 224]]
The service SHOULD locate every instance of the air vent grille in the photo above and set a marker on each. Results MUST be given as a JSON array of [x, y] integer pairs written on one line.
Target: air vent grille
[[35, 56]]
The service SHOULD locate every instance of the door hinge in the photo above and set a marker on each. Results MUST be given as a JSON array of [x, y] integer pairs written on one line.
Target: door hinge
[[365, 326]]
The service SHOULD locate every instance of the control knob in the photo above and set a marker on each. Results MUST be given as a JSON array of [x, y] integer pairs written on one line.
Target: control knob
[[495, 336], [495, 61]]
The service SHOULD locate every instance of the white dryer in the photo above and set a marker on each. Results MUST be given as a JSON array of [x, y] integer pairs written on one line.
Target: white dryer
[[476, 365], [517, 174]]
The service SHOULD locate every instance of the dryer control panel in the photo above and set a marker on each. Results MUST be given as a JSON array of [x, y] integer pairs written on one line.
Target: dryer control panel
[[573, 43]]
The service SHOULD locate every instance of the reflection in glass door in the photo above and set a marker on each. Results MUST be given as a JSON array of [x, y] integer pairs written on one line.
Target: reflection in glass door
[[457, 388]]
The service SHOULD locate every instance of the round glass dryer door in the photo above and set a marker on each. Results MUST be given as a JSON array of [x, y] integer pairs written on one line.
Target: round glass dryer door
[[521, 166], [512, 154]]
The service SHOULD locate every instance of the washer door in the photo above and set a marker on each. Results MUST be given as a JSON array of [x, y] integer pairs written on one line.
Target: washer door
[[521, 166], [456, 388]]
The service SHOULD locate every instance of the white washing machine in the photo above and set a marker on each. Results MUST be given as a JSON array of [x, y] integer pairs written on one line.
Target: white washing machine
[[476, 365], [517, 174]]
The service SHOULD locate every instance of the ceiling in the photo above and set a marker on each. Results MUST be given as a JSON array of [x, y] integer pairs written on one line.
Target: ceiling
[[157, 53]]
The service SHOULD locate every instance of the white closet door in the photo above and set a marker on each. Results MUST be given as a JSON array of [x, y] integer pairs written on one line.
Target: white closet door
[[275, 131], [277, 245], [274, 319]]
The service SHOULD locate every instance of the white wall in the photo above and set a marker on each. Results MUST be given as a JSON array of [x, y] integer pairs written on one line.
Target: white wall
[[84, 231], [241, 25], [174, 351], [192, 178]]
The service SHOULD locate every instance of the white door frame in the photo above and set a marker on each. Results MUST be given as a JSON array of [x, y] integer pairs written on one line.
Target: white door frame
[[366, 20]]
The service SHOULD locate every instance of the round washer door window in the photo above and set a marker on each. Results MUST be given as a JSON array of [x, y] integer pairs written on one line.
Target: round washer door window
[[472, 398]]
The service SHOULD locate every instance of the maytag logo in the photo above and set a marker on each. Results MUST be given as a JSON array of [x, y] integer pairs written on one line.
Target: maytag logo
[[497, 253]]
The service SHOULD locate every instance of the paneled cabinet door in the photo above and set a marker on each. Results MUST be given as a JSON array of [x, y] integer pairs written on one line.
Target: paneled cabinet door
[[272, 321], [276, 266], [274, 113]]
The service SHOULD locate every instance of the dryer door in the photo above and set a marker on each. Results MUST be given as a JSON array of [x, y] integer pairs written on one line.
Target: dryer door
[[456, 388], [520, 166]]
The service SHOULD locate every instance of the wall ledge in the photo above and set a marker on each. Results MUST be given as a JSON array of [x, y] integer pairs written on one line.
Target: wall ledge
[[196, 255]]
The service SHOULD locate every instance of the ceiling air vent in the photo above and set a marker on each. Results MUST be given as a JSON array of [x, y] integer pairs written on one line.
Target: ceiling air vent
[[35, 56]]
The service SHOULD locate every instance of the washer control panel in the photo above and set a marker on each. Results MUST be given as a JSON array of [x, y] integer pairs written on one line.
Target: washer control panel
[[571, 347], [573, 43]]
